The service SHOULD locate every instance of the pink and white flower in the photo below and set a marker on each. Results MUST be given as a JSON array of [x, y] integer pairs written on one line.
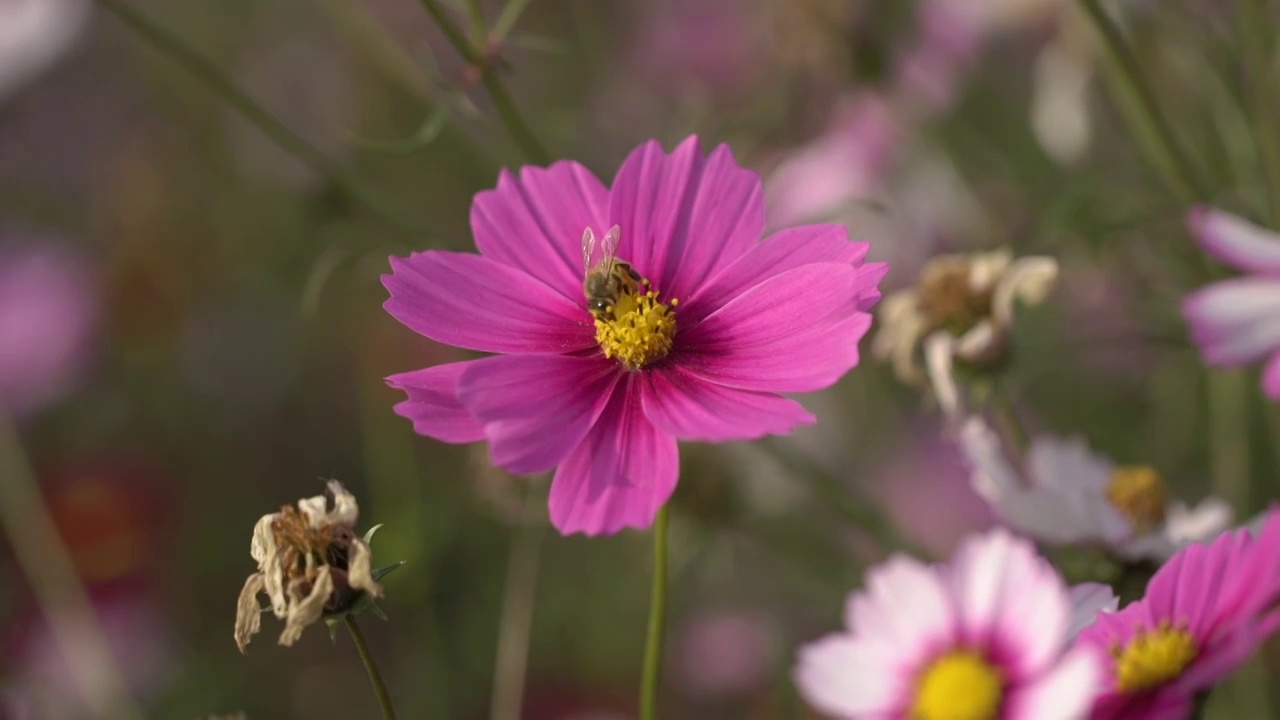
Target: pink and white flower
[[1204, 613], [985, 636], [1237, 321], [1068, 494], [727, 323]]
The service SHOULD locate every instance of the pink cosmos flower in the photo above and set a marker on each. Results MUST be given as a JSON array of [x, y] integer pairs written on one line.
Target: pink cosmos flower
[[1237, 321], [1204, 613], [983, 637], [700, 352]]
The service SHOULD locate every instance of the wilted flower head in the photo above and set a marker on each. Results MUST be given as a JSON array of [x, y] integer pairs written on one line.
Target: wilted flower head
[[1069, 494], [311, 563], [1204, 613], [986, 636], [1237, 321], [961, 308], [690, 332]]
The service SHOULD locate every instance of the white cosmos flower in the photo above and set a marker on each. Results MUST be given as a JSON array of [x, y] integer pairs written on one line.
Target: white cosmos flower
[[1069, 495], [34, 34]]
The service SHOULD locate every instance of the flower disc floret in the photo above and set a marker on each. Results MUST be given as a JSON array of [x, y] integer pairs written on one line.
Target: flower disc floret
[[1138, 492], [641, 331], [1154, 657], [959, 686]]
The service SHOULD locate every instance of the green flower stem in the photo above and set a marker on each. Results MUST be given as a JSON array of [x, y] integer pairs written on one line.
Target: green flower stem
[[44, 559], [518, 598], [1139, 103], [502, 102], [375, 677], [657, 620], [1007, 419], [278, 132], [1255, 37]]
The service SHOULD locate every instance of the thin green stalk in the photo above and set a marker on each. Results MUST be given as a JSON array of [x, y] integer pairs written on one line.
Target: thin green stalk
[[278, 132], [507, 111], [1149, 123], [375, 677], [657, 620], [518, 598], [44, 559], [1007, 419], [507, 19], [1229, 438], [1255, 37]]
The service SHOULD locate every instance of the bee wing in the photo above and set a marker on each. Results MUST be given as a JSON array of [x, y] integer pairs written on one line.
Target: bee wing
[[605, 253]]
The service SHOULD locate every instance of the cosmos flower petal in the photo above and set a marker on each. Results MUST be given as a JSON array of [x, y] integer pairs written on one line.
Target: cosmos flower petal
[[1065, 692], [1235, 321], [535, 409], [796, 332], [684, 215], [1253, 582], [844, 677], [619, 476], [781, 251], [692, 408], [1271, 377], [433, 403], [476, 303], [1088, 600], [1235, 241], [906, 604], [534, 221], [1009, 595]]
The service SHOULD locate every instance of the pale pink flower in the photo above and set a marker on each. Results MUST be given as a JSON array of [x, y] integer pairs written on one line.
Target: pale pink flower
[[1237, 321], [1203, 615], [34, 34], [727, 323], [985, 636]]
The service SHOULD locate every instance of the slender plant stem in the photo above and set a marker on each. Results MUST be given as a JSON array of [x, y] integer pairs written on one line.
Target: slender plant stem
[[1229, 439], [1256, 31], [1157, 134], [518, 600], [375, 677], [502, 102], [45, 561], [1007, 418], [213, 78], [657, 620]]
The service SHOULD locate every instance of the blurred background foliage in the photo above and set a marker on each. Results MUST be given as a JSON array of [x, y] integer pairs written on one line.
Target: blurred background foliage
[[227, 346]]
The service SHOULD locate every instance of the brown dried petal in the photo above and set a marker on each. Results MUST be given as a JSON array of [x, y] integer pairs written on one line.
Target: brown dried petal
[[360, 570], [306, 610], [248, 611]]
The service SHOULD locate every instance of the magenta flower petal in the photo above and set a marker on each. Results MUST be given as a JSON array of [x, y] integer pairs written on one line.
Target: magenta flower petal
[[782, 251], [1235, 241], [1235, 321], [433, 404], [1271, 377], [691, 408], [795, 332], [534, 222], [619, 475], [536, 408], [683, 215], [473, 302]]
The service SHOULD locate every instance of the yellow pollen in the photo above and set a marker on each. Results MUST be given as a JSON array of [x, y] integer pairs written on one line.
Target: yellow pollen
[[641, 331], [1153, 657], [1138, 492], [947, 300], [959, 686]]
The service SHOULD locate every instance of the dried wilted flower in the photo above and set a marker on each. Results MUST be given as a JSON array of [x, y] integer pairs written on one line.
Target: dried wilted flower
[[311, 563], [962, 308]]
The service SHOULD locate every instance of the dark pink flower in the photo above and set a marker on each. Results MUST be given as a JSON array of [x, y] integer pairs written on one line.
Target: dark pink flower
[[1204, 613], [727, 323]]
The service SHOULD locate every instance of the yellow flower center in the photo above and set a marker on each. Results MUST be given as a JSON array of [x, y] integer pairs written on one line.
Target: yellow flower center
[[1153, 657], [1138, 492], [641, 331], [946, 297], [959, 686]]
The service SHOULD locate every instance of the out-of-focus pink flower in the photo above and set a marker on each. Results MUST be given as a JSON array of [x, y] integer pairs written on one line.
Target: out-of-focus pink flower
[[48, 313], [34, 34], [843, 166], [1204, 613], [1237, 321], [698, 350], [713, 44], [985, 636], [725, 653]]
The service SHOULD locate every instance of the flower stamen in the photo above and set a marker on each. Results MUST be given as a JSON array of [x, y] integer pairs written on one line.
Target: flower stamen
[[1137, 491], [641, 330], [961, 685], [1153, 657]]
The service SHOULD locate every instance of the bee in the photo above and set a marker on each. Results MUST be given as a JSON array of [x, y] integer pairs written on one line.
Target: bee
[[607, 278]]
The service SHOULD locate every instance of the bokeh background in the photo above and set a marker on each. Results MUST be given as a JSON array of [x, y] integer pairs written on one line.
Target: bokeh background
[[191, 332]]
